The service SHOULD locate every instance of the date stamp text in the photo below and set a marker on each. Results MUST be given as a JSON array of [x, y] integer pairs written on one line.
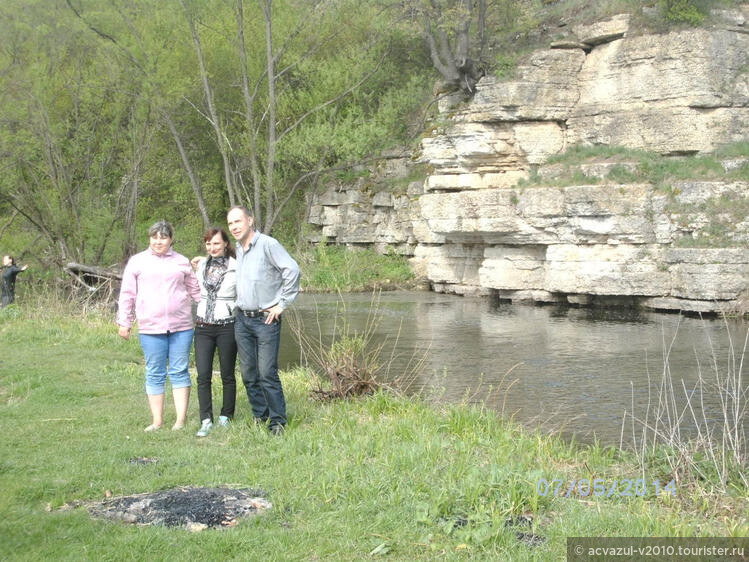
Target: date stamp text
[[560, 487]]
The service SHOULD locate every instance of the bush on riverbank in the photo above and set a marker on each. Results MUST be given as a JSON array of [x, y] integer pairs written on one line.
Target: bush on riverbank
[[382, 474], [353, 362], [330, 268]]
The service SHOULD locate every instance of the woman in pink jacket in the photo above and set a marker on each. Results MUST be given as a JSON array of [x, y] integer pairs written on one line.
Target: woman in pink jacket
[[158, 287]]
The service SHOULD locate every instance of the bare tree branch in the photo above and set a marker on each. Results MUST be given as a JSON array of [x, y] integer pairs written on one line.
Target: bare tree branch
[[221, 140], [96, 271], [194, 181], [8, 223], [106, 36], [266, 5], [249, 100]]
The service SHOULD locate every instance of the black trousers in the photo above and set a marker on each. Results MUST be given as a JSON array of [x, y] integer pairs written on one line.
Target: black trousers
[[208, 338], [8, 296]]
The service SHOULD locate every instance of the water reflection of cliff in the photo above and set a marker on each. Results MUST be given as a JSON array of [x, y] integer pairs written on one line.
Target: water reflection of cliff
[[575, 370]]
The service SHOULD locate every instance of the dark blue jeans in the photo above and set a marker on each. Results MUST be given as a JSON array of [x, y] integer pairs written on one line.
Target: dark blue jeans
[[258, 344]]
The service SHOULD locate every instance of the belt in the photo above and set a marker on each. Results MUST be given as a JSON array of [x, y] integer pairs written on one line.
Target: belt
[[252, 313], [222, 322]]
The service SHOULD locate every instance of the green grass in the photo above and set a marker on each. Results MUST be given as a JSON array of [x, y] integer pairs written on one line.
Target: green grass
[[725, 213], [383, 474], [734, 150], [650, 167], [334, 268], [664, 173], [399, 185]]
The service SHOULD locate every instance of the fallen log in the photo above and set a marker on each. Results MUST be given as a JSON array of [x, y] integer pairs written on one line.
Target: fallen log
[[94, 270], [100, 282]]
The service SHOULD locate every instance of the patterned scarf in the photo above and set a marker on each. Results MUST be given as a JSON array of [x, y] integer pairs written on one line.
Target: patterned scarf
[[215, 270]]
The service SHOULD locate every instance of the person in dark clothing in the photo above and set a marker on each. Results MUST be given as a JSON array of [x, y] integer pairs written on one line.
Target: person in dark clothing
[[214, 330], [10, 271]]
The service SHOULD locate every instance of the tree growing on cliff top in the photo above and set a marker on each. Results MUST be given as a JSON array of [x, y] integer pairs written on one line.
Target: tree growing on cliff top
[[447, 26]]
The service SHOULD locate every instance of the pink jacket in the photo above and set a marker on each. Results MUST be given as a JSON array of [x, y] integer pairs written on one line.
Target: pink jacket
[[156, 289]]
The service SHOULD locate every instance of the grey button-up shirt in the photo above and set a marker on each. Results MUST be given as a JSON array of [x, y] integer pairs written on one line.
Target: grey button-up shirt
[[266, 274]]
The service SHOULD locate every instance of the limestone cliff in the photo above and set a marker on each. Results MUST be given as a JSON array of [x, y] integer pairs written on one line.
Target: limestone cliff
[[491, 216]]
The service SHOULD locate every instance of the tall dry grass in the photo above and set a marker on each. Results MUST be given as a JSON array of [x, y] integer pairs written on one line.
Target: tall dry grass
[[680, 426], [353, 362]]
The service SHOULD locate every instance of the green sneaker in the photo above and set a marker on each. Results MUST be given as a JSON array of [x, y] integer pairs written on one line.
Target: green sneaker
[[205, 428], [223, 421]]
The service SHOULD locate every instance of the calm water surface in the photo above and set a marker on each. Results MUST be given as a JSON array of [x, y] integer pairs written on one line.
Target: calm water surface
[[568, 369]]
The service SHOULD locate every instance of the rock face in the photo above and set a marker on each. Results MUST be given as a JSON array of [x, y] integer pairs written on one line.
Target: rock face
[[473, 229], [679, 93]]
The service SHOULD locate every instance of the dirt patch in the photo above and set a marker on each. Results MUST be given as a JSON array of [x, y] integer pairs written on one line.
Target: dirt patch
[[143, 460], [525, 520], [193, 508]]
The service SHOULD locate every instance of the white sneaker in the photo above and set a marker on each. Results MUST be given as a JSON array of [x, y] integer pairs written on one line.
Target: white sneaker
[[205, 428], [223, 421]]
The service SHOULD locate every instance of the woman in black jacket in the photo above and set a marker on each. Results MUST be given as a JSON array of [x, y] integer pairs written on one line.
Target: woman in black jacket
[[10, 271]]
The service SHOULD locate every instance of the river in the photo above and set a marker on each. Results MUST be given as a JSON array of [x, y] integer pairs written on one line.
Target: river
[[571, 370]]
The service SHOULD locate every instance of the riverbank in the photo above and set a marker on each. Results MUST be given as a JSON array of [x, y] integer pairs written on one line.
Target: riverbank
[[379, 475], [335, 268]]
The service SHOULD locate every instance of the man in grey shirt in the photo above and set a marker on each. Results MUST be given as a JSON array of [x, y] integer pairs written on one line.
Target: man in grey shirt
[[267, 283]]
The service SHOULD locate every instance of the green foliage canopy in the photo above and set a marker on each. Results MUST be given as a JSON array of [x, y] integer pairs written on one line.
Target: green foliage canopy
[[88, 90]]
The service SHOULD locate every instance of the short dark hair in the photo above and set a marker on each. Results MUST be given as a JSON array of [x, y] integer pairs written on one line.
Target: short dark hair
[[11, 258], [212, 231], [244, 209]]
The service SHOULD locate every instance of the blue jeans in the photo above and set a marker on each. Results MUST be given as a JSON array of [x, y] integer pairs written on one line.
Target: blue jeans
[[258, 344], [166, 354]]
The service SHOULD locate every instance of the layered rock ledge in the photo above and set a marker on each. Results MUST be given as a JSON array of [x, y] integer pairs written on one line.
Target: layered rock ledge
[[475, 225]]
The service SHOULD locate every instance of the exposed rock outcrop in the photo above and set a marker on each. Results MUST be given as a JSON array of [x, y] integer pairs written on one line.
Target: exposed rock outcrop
[[471, 228]]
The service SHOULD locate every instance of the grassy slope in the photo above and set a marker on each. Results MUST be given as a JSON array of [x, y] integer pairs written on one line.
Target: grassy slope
[[335, 268], [346, 478]]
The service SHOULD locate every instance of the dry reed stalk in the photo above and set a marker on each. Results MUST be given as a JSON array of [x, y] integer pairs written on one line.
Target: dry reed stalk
[[722, 442]]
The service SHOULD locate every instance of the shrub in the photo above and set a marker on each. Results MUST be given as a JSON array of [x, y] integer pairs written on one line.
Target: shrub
[[334, 268], [683, 11], [352, 362]]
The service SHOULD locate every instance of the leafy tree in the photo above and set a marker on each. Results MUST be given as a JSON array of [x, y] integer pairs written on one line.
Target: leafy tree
[[300, 88], [119, 113], [64, 136], [683, 11]]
